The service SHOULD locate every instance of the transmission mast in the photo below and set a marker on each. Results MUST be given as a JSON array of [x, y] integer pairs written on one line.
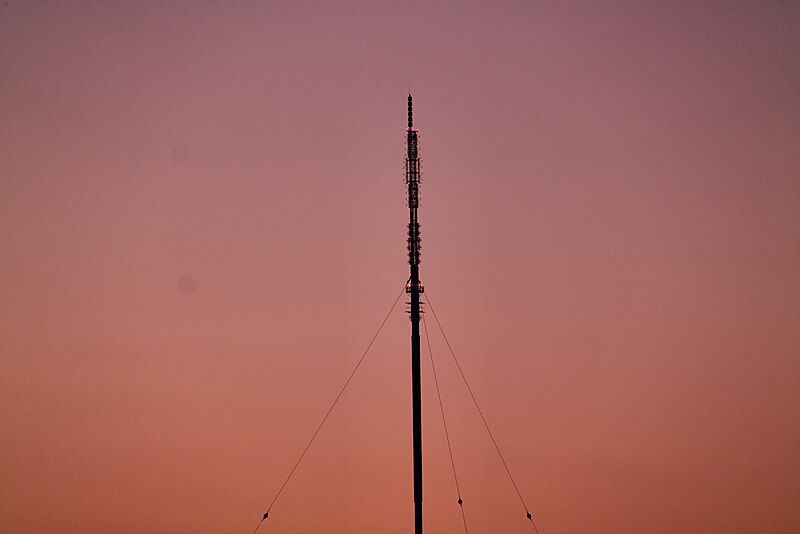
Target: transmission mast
[[415, 289]]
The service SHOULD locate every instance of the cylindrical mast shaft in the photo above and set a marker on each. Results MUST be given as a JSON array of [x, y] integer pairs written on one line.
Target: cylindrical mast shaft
[[417, 404], [414, 289]]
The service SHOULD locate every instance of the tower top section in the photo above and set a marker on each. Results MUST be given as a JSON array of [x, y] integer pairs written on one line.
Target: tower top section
[[410, 113], [412, 181]]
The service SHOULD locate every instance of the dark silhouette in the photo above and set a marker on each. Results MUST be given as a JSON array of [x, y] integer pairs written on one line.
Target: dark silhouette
[[415, 289]]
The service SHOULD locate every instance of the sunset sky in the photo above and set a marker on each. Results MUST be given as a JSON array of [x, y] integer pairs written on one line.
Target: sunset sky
[[202, 224]]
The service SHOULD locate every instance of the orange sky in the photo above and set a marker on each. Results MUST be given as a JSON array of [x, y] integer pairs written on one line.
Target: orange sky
[[203, 222]]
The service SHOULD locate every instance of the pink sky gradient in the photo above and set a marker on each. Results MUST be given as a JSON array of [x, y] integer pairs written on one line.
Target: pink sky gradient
[[203, 222]]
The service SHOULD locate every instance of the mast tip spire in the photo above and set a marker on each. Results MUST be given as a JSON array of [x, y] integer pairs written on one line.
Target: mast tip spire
[[410, 113]]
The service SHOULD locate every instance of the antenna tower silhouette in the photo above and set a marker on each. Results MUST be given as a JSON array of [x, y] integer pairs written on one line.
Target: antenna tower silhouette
[[415, 289]]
